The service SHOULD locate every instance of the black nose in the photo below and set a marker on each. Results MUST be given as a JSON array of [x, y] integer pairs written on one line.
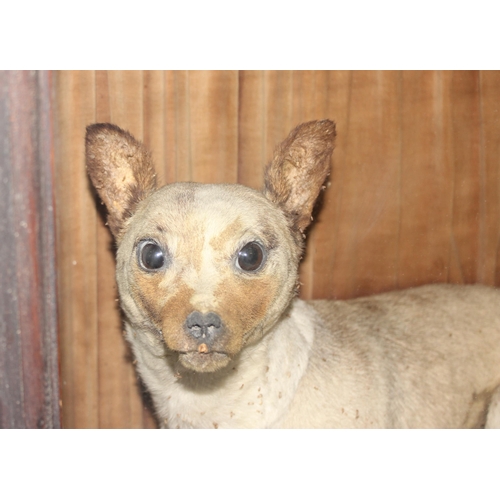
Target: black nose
[[203, 326]]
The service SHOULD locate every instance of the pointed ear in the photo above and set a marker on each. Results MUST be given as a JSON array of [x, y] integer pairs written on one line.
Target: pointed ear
[[121, 170], [298, 170]]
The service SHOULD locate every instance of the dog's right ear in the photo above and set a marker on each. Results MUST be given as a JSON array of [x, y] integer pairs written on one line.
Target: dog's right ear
[[121, 169]]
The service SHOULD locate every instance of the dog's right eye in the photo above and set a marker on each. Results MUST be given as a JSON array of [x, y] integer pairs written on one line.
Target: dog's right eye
[[151, 256], [250, 257]]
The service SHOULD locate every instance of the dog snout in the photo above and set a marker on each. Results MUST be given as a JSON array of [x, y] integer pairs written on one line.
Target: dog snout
[[203, 326]]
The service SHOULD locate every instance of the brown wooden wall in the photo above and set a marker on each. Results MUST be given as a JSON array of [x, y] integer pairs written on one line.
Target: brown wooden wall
[[414, 195]]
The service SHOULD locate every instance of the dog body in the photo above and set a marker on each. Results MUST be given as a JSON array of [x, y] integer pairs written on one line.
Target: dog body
[[385, 361], [207, 277]]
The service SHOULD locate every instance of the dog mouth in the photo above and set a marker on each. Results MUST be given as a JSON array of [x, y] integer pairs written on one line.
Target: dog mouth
[[203, 360]]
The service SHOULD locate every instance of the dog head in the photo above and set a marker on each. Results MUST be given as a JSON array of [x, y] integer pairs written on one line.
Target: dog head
[[211, 268]]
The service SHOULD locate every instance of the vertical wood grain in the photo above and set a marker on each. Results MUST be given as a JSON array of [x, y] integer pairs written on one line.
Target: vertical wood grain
[[489, 249], [251, 138], [278, 87], [29, 382], [77, 252], [178, 137], [213, 124], [414, 194], [465, 143], [426, 180], [366, 250], [154, 119]]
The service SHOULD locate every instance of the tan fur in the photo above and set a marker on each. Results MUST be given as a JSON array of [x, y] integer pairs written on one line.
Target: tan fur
[[254, 297], [254, 355], [218, 242]]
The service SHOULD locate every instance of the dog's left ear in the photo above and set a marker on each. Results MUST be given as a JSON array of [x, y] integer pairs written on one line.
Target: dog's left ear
[[298, 170], [121, 170]]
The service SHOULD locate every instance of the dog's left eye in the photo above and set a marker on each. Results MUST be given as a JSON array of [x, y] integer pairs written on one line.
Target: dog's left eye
[[250, 257], [151, 256]]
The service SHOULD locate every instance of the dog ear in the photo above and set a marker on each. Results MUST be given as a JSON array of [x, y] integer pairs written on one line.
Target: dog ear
[[120, 168], [298, 170]]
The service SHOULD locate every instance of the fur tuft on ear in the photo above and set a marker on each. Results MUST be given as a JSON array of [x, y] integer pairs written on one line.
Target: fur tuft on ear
[[121, 170], [298, 170]]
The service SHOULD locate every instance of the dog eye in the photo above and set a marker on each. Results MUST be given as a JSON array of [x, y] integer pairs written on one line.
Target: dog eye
[[250, 257], [151, 256]]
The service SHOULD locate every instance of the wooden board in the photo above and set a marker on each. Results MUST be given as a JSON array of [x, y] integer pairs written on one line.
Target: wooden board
[[29, 379], [414, 194]]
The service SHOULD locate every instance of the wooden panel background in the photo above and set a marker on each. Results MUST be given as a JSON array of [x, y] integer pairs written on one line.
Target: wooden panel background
[[29, 371], [414, 195]]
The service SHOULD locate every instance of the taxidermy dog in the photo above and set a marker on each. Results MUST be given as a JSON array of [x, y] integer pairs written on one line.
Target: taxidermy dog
[[208, 277]]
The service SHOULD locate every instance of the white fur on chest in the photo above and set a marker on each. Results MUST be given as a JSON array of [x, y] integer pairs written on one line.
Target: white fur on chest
[[255, 391]]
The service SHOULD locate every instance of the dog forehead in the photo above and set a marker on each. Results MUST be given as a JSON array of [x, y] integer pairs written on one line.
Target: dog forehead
[[210, 208]]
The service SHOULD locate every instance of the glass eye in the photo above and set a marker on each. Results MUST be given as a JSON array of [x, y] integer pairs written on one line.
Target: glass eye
[[250, 257], [151, 256]]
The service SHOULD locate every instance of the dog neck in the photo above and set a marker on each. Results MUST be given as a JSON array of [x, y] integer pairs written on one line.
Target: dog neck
[[255, 390]]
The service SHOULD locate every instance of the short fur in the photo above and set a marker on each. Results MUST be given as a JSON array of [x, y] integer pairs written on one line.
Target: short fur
[[220, 346]]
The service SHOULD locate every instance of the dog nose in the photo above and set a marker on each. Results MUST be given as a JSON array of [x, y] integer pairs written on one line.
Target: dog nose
[[203, 325]]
